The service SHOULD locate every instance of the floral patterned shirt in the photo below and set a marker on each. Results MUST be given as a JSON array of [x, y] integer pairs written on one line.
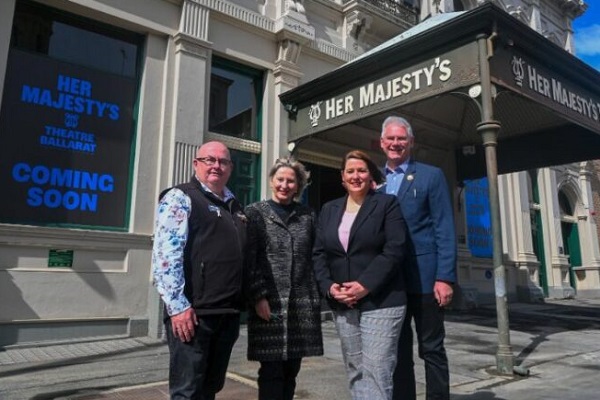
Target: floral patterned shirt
[[170, 237]]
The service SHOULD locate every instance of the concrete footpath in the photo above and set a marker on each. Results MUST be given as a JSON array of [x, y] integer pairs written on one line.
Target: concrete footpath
[[558, 342]]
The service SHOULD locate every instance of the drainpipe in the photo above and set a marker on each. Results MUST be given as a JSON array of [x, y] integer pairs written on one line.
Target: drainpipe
[[488, 129]]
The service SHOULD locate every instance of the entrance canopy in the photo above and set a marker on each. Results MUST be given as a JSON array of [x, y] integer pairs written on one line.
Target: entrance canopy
[[546, 101]]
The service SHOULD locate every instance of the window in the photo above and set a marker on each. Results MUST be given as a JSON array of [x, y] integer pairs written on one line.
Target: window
[[236, 94], [73, 39], [67, 121], [235, 100]]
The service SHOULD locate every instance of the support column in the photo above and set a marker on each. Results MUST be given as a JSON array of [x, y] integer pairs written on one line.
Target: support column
[[191, 85], [293, 32], [488, 129], [588, 275], [286, 76], [186, 101], [591, 257]]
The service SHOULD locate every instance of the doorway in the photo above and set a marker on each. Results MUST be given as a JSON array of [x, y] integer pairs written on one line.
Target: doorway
[[326, 185], [570, 236]]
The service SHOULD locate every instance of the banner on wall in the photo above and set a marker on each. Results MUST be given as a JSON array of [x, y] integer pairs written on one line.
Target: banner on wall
[[479, 225], [66, 133]]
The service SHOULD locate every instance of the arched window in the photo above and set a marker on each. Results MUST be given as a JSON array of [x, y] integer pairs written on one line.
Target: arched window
[[458, 5], [564, 204]]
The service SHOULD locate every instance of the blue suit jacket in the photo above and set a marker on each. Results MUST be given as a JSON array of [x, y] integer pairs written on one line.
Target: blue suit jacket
[[375, 251], [429, 216]]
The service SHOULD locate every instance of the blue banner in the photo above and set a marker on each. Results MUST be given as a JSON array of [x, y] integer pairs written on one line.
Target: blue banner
[[66, 136], [479, 226]]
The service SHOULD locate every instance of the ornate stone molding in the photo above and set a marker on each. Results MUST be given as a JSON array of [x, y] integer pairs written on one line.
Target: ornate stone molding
[[288, 28], [295, 6], [554, 37], [191, 45], [182, 162], [289, 51], [194, 20], [357, 23], [574, 7], [331, 50], [235, 143], [296, 27], [521, 13], [287, 73], [239, 13]]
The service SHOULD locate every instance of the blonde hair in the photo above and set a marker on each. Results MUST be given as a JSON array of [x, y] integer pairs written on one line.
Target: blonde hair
[[302, 175]]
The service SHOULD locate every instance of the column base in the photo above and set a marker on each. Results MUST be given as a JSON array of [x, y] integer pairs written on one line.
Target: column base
[[530, 294], [561, 292]]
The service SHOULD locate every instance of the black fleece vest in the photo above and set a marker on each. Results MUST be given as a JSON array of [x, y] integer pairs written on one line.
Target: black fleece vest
[[214, 252]]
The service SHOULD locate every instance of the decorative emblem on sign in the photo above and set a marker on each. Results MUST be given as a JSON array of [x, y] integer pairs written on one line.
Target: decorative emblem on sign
[[518, 70], [315, 113], [71, 120]]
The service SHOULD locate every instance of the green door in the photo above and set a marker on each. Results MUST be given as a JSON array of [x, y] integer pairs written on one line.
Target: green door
[[537, 233], [537, 237], [245, 178], [572, 249]]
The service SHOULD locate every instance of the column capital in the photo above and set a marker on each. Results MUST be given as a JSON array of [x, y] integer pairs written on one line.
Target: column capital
[[188, 44]]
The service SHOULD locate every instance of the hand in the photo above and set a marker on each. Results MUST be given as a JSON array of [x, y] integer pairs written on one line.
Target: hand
[[184, 324], [263, 310], [443, 293], [355, 290], [339, 293]]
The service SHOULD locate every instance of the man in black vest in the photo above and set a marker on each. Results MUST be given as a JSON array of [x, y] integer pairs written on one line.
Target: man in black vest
[[197, 260]]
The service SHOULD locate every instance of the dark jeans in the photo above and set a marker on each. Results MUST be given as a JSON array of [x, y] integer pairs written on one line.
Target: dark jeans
[[277, 379], [197, 368], [429, 324]]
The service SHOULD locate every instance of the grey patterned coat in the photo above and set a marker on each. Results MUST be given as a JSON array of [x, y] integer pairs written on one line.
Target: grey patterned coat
[[280, 270]]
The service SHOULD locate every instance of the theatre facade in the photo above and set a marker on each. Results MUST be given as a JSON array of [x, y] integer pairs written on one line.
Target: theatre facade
[[104, 103]]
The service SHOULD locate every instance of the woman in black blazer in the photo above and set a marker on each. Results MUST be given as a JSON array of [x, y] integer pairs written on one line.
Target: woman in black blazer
[[357, 256]]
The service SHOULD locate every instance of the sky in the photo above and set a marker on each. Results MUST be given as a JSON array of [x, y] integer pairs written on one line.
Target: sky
[[587, 34]]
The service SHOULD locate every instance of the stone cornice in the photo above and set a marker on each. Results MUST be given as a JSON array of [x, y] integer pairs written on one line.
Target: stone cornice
[[328, 49], [239, 13], [283, 28]]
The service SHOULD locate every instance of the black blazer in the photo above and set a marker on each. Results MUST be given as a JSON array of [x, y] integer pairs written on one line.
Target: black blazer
[[375, 253]]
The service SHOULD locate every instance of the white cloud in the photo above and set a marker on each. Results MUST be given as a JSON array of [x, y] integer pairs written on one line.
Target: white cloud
[[587, 41]]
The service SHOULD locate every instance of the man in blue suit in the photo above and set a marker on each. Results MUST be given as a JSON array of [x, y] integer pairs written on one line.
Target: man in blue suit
[[431, 263]]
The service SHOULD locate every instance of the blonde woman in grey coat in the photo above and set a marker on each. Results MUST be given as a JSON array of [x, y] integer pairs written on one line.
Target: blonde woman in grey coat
[[284, 323]]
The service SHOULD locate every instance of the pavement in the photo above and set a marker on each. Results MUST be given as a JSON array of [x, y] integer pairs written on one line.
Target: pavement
[[556, 342]]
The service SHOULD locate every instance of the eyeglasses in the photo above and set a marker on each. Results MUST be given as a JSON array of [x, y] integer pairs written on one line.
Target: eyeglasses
[[210, 161]]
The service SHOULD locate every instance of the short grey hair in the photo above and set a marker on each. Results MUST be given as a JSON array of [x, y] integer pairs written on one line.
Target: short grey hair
[[393, 120], [302, 175]]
